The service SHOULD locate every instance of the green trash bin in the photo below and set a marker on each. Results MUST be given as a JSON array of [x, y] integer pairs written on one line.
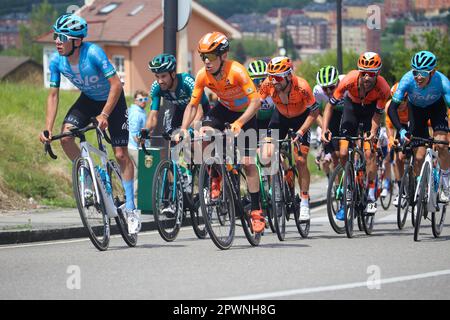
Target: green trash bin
[[147, 167]]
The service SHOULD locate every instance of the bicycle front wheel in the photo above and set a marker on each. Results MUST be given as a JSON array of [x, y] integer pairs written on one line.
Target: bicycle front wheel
[[197, 221], [217, 204], [335, 196], [92, 210], [253, 238], [437, 220], [422, 200], [118, 194], [279, 204], [386, 201], [349, 197], [167, 200], [405, 195]]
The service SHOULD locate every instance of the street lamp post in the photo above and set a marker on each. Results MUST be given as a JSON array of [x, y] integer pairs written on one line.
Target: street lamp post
[[170, 26], [339, 35]]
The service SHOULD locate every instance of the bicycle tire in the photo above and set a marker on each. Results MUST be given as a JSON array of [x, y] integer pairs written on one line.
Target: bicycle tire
[[194, 206], [386, 201], [332, 193], [349, 196], [118, 193], [99, 235], [252, 237], [437, 220], [404, 199], [303, 226], [220, 223], [267, 189], [163, 196], [279, 204], [421, 201]]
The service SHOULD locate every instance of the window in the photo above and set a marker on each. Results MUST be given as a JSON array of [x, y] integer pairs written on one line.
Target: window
[[109, 8], [136, 10], [119, 63]]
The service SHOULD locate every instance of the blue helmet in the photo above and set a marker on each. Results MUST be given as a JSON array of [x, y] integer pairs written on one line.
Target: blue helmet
[[163, 63], [71, 25], [424, 60]]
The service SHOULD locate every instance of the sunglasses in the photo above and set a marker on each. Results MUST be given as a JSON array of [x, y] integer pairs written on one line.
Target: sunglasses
[[422, 73], [258, 81], [371, 74], [276, 79], [62, 37], [142, 99], [210, 56]]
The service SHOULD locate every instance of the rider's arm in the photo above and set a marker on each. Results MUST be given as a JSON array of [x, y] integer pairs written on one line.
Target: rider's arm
[[251, 111], [376, 119], [247, 85], [152, 120], [319, 120], [393, 114], [309, 121], [327, 113], [191, 109], [312, 106], [52, 108], [114, 94]]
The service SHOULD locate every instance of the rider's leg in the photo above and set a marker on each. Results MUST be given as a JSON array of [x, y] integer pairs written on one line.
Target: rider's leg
[[127, 170], [68, 144], [371, 169]]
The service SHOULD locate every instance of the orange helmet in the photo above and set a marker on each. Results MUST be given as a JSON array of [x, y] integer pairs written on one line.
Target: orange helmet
[[369, 61], [279, 66], [213, 42]]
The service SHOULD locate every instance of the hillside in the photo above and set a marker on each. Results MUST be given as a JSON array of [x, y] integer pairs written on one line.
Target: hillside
[[25, 172], [25, 6]]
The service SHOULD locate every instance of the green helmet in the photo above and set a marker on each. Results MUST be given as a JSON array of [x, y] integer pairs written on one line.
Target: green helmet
[[327, 76], [163, 63], [257, 69]]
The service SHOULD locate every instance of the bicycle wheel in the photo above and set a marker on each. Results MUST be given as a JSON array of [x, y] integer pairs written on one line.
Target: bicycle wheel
[[197, 221], [267, 189], [334, 198], [92, 210], [279, 204], [405, 198], [386, 201], [167, 199], [349, 197], [303, 226], [218, 212], [244, 210], [437, 220], [118, 193], [422, 200]]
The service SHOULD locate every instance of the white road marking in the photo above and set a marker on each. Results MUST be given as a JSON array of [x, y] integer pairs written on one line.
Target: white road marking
[[294, 292]]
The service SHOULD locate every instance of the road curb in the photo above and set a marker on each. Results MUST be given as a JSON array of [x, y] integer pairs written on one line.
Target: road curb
[[18, 237]]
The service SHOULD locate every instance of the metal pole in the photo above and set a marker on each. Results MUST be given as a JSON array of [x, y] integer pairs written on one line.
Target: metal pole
[[170, 26], [339, 35]]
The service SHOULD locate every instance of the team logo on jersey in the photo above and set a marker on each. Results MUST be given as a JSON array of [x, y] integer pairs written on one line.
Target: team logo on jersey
[[249, 90]]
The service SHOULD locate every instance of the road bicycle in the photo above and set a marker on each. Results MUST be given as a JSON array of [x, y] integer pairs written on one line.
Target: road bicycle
[[97, 187], [380, 181], [174, 192], [429, 185], [233, 201], [285, 199]]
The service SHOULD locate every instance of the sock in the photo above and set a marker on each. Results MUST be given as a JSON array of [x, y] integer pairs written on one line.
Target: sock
[[372, 190], [129, 194], [387, 183], [254, 197], [305, 199]]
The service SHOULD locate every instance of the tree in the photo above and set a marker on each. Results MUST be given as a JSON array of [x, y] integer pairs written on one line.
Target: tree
[[42, 18], [309, 67], [239, 53], [252, 47]]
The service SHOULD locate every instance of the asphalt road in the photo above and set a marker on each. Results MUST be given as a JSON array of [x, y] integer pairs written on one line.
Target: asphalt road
[[385, 265]]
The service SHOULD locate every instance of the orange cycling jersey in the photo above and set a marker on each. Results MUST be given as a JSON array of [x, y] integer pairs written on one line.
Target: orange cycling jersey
[[234, 90], [300, 98], [402, 114], [379, 94]]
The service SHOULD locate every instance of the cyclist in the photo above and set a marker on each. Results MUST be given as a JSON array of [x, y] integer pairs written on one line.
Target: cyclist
[[176, 88], [428, 98], [238, 102], [364, 94], [296, 109], [257, 70], [88, 68], [328, 78], [394, 137], [383, 145]]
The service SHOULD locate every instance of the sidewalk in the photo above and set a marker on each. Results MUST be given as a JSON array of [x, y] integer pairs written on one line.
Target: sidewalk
[[58, 224]]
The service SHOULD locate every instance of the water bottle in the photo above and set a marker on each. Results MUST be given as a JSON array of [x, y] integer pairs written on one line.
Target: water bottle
[[436, 177], [187, 179], [105, 179]]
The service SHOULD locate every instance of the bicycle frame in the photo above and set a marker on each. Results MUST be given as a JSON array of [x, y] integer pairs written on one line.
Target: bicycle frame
[[430, 158], [86, 150]]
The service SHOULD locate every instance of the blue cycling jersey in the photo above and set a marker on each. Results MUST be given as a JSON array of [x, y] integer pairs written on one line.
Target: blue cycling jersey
[[182, 95], [90, 75], [438, 87]]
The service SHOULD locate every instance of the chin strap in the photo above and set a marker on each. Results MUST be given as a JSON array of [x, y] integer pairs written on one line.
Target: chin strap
[[220, 68], [73, 48]]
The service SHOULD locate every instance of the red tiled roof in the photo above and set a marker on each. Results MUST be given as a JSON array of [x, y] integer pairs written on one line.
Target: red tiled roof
[[118, 25]]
